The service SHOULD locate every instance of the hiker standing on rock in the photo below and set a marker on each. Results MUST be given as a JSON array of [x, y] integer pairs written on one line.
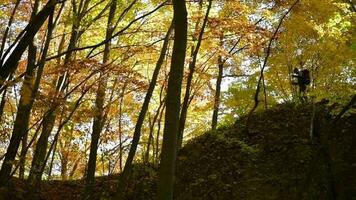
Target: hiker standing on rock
[[302, 79]]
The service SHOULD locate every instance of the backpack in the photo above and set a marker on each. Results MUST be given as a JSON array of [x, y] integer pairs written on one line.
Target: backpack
[[306, 76]]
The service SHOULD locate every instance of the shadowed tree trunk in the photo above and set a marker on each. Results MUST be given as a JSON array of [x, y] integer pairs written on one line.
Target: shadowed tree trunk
[[34, 174], [159, 125], [217, 93], [218, 87], [28, 93], [156, 145], [50, 117], [99, 121], [184, 109], [170, 134], [52, 160], [2, 103], [32, 185], [123, 178], [26, 97], [122, 95]]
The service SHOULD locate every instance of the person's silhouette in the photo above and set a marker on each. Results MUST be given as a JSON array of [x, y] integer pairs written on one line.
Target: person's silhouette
[[302, 80]]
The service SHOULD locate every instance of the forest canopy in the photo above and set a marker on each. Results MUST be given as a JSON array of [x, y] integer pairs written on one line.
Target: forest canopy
[[89, 87]]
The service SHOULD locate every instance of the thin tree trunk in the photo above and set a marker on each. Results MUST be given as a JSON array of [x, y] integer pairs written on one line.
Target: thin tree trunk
[[123, 178], [34, 168], [50, 117], [56, 136], [264, 91], [265, 62], [162, 100], [74, 169], [2, 103], [217, 93], [170, 134], [65, 154], [52, 159], [99, 121], [184, 109], [150, 135], [26, 95], [146, 153], [28, 92], [157, 153], [35, 171], [120, 127]]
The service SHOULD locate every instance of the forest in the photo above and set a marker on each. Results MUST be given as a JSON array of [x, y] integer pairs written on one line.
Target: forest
[[177, 99]]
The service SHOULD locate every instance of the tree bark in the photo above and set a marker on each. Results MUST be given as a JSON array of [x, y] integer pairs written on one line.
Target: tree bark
[[123, 178], [120, 126], [170, 134], [34, 164], [28, 92], [99, 120], [60, 85], [2, 103], [39, 158], [184, 110], [157, 153], [217, 93], [27, 95]]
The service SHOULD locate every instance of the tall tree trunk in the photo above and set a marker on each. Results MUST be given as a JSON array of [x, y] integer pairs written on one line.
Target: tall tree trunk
[[123, 178], [184, 110], [99, 121], [19, 131], [217, 93], [170, 134], [50, 117], [28, 92], [120, 126], [34, 168]]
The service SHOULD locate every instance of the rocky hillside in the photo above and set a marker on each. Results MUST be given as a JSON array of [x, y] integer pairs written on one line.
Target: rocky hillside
[[277, 158]]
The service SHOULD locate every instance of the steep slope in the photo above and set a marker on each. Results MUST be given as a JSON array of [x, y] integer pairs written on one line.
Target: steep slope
[[276, 159]]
